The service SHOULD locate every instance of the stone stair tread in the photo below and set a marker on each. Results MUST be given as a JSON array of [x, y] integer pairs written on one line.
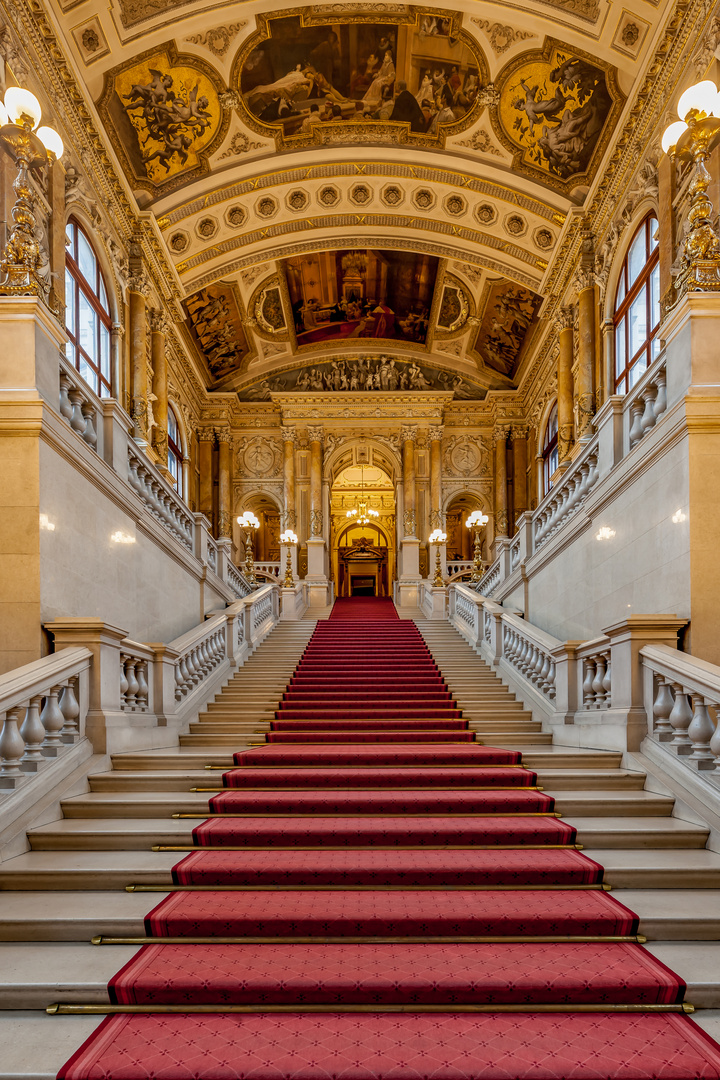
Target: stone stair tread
[[34, 1045], [33, 976]]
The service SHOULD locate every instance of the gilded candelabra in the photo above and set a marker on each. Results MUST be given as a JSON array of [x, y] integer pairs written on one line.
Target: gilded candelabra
[[476, 521], [289, 538], [249, 522], [692, 138], [437, 538], [30, 145]]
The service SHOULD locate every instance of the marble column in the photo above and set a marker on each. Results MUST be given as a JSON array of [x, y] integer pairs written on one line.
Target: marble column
[[316, 577], [410, 547], [56, 238], [117, 333], [500, 435], [436, 514], [206, 438], [564, 321], [520, 484], [158, 357], [289, 436], [224, 509], [585, 284], [137, 291]]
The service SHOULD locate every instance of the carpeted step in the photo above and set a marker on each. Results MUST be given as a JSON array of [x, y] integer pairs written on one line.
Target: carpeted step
[[613, 973], [371, 734], [447, 1046], [379, 802], [407, 777], [283, 724], [384, 832], [380, 869], [414, 755], [455, 913], [302, 694]]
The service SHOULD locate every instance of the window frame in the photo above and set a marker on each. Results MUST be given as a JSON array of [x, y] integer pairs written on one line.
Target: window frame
[[622, 378], [176, 450], [92, 295], [549, 447]]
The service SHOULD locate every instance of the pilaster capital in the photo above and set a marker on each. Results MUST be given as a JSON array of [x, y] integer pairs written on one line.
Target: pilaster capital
[[517, 433], [223, 435], [315, 434], [159, 322], [500, 433], [436, 433], [206, 435], [584, 279], [409, 434], [289, 434], [139, 284], [565, 318]]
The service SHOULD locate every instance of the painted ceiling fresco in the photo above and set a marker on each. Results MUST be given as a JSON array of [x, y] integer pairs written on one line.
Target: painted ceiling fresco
[[215, 320], [419, 71], [361, 294], [507, 314]]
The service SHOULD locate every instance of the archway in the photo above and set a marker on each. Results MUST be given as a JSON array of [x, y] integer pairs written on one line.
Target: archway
[[363, 554], [459, 538], [266, 542]]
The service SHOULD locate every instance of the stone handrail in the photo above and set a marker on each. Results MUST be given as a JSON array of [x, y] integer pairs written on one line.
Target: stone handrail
[[491, 578], [79, 405], [567, 496], [160, 498], [645, 404], [682, 699], [43, 705], [212, 555], [236, 581]]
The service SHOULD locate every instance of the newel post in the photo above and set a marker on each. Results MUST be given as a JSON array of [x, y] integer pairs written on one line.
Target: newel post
[[566, 683], [164, 682], [627, 638], [104, 642]]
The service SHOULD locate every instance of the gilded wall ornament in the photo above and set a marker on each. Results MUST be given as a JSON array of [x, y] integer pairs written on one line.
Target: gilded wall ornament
[[501, 37], [480, 140], [239, 144], [219, 39]]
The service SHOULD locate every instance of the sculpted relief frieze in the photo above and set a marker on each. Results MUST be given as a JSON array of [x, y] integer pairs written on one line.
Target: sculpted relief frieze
[[464, 455], [259, 457]]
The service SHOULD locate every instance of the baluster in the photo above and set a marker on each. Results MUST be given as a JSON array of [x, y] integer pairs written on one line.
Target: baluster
[[636, 410], [89, 434], [66, 408], [142, 691], [193, 667], [53, 721], [71, 711], [185, 674], [551, 680], [179, 681], [77, 420], [700, 732], [133, 477], [123, 680], [33, 732], [537, 667], [607, 681], [598, 684], [12, 746], [662, 707], [131, 692], [588, 694], [715, 741], [680, 719], [648, 417], [661, 396], [544, 673]]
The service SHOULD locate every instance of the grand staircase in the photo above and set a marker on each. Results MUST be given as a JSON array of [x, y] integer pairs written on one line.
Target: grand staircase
[[108, 861]]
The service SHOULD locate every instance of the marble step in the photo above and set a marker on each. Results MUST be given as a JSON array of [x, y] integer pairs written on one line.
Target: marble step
[[151, 804], [565, 779], [691, 914], [128, 834], [34, 975]]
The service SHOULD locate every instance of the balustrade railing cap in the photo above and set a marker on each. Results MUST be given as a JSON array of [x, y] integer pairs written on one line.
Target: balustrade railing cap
[[657, 628], [162, 651], [79, 630]]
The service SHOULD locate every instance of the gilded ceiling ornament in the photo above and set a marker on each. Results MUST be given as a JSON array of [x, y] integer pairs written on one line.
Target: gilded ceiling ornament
[[219, 39], [480, 140], [501, 37]]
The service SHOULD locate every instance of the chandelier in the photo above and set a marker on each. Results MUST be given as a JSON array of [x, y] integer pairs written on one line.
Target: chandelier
[[362, 513]]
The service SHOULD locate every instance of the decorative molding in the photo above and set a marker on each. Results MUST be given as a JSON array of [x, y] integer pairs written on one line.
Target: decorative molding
[[480, 140], [219, 39], [502, 37], [239, 144]]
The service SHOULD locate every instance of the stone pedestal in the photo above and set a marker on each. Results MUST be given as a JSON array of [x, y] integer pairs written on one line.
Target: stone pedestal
[[293, 604], [410, 580], [316, 580], [435, 603]]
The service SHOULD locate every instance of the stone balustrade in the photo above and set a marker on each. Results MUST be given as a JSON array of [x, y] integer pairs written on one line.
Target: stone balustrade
[[682, 699], [200, 655], [236, 581], [43, 706], [78, 404], [567, 497], [459, 568], [268, 569], [491, 578], [515, 553], [135, 692], [523, 648], [160, 498], [645, 404], [212, 555], [595, 673]]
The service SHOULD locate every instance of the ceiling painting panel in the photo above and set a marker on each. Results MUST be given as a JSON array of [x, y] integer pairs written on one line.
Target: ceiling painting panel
[[507, 313], [314, 79], [217, 326], [163, 115]]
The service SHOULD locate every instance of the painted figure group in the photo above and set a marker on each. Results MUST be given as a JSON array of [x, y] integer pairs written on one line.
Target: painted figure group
[[173, 119]]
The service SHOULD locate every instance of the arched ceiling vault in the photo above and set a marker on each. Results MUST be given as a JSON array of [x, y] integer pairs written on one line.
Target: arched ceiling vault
[[335, 182]]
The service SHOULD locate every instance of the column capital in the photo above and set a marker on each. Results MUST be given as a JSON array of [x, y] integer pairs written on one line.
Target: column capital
[[117, 329], [223, 435], [289, 434], [409, 434], [206, 435], [584, 279], [500, 433], [139, 284], [159, 322], [565, 318], [436, 433], [315, 434], [517, 433]]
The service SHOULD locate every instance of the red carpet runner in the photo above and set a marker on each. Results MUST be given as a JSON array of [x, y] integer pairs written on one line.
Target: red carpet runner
[[379, 897]]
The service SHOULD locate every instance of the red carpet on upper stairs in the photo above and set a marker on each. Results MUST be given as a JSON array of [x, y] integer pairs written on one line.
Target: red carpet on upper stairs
[[372, 856]]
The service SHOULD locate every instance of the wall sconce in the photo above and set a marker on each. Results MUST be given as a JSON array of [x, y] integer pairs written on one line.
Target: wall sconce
[[29, 144], [679, 516], [120, 537], [604, 533], [46, 523]]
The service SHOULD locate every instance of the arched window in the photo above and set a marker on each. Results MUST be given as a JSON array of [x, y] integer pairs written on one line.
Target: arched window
[[550, 449], [175, 454], [637, 308], [87, 313]]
